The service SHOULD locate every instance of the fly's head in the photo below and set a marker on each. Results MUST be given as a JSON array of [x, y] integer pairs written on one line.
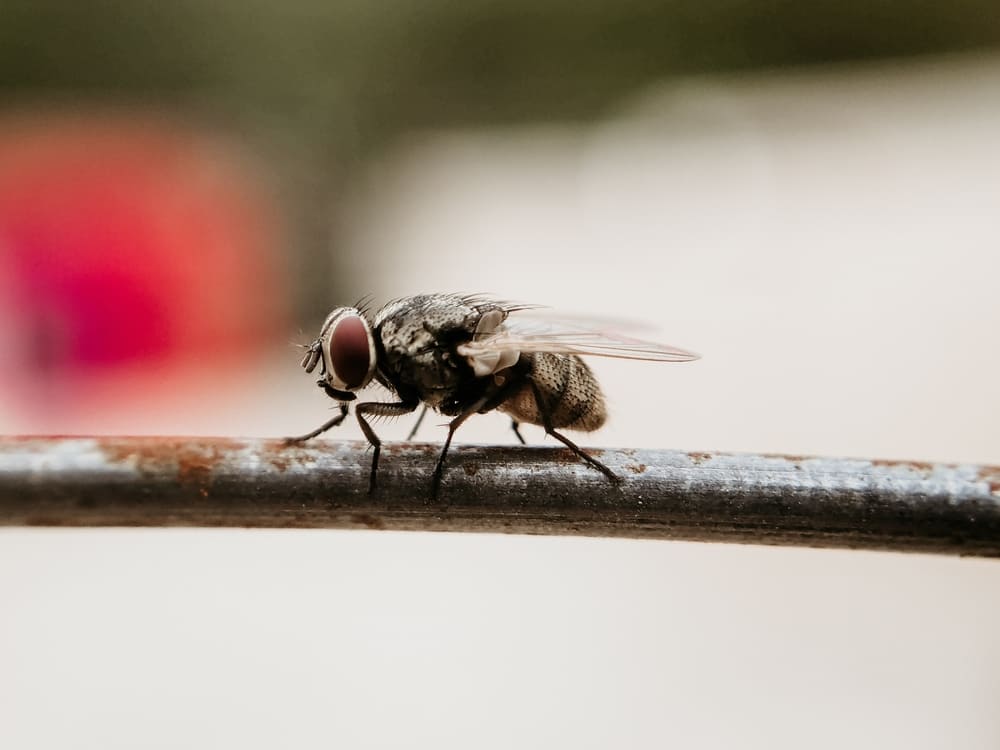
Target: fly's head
[[344, 352]]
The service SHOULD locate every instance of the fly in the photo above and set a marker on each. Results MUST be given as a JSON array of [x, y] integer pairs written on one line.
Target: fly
[[460, 355]]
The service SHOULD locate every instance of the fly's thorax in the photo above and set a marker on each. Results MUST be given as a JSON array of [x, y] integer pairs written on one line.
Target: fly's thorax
[[568, 389], [419, 335], [412, 325]]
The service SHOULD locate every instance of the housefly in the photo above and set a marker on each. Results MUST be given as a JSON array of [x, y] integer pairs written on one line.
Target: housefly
[[460, 355]]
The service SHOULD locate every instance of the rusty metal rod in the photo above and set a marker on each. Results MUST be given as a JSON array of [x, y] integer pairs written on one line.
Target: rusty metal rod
[[789, 500]]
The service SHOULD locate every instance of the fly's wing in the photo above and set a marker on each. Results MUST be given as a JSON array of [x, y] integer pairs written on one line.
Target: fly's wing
[[569, 336]]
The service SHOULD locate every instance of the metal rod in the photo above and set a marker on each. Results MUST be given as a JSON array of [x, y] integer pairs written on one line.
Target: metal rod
[[788, 500]]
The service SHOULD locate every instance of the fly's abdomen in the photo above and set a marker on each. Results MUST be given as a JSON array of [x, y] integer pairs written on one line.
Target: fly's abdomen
[[568, 389]]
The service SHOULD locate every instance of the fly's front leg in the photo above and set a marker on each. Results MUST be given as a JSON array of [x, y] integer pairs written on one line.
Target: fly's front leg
[[516, 427], [543, 409], [379, 409], [320, 430]]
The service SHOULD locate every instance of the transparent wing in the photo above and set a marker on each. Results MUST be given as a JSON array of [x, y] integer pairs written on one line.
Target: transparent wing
[[571, 336]]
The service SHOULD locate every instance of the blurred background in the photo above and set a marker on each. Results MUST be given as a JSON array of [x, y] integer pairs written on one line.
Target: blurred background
[[806, 193]]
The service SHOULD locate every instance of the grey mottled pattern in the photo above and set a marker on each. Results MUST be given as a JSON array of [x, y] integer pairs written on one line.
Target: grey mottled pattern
[[571, 393], [418, 334]]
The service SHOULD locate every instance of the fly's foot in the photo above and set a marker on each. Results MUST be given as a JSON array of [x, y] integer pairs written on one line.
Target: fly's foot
[[615, 480], [612, 477], [373, 472], [584, 456]]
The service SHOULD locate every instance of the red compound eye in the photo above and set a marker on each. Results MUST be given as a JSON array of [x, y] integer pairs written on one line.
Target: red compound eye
[[350, 354]]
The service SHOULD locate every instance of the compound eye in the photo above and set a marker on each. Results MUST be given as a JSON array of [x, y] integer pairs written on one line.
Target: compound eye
[[351, 352]]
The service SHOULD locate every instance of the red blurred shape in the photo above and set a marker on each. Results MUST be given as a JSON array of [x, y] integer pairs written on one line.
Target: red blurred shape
[[127, 241]]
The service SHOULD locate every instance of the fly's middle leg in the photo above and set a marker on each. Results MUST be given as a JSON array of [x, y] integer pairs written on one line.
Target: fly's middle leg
[[416, 426], [516, 427], [452, 426], [379, 409]]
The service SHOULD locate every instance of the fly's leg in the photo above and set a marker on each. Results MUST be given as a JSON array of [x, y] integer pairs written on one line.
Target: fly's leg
[[516, 427], [543, 409], [379, 409], [452, 426], [320, 430], [423, 413], [615, 479]]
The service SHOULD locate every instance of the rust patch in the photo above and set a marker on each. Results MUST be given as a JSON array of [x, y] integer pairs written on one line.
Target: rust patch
[[46, 521], [636, 468], [788, 457], [991, 475], [195, 460], [279, 462], [924, 467], [566, 456], [283, 453], [195, 467], [366, 520], [405, 448], [698, 457], [141, 451], [164, 451]]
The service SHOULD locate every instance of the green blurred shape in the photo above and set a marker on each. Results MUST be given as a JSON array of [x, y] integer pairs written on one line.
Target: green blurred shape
[[361, 72]]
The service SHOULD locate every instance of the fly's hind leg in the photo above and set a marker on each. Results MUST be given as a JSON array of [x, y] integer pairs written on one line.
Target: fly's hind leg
[[543, 408], [379, 409], [320, 430]]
